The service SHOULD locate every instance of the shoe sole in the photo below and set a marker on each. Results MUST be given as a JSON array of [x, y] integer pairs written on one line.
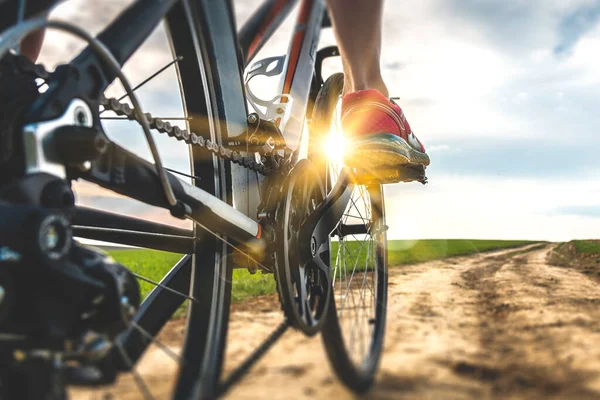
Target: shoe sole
[[383, 150]]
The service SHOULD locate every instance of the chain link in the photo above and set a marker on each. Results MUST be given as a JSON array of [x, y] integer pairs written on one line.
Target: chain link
[[125, 110]]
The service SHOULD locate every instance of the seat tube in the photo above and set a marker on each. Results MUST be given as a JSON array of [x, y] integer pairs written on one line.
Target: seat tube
[[299, 67]]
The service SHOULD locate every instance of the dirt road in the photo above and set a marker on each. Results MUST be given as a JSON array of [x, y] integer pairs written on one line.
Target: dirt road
[[494, 325]]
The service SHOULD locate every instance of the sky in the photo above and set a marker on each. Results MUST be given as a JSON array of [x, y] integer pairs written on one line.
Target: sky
[[505, 95]]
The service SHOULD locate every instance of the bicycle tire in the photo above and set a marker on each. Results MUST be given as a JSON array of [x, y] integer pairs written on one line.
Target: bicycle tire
[[210, 284], [356, 374], [206, 330]]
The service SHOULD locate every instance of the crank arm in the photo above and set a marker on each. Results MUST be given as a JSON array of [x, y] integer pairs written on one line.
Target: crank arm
[[316, 230]]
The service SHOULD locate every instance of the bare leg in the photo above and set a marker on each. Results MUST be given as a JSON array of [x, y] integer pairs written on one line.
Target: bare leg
[[32, 44], [357, 27]]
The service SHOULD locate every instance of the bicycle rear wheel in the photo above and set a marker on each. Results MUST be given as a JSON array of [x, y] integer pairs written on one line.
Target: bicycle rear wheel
[[207, 321], [354, 329], [204, 71], [207, 270]]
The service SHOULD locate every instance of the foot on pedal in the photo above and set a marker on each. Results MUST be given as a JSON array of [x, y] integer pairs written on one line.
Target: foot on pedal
[[387, 175], [381, 146]]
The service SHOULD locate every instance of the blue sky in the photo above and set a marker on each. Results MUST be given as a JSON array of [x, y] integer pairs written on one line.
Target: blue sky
[[504, 94]]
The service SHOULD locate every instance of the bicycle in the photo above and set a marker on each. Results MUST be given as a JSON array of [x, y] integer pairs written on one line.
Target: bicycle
[[255, 202]]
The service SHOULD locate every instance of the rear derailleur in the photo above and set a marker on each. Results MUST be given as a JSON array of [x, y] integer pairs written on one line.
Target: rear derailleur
[[61, 304]]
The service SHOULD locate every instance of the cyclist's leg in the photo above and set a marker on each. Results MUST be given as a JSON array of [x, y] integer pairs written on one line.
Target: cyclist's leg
[[357, 26], [32, 44], [9, 11], [376, 126]]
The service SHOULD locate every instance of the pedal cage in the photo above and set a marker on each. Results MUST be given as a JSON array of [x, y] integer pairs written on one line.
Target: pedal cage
[[390, 175]]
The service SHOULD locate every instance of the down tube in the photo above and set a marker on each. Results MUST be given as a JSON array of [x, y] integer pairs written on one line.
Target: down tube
[[299, 67]]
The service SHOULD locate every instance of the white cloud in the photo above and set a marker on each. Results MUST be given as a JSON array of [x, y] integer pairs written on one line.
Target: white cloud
[[468, 207], [439, 148], [466, 71], [585, 58]]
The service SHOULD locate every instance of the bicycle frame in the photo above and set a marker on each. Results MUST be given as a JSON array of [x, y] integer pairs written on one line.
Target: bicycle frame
[[235, 223], [235, 220]]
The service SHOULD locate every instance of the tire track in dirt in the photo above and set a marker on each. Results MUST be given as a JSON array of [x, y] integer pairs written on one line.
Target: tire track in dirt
[[492, 325], [532, 337], [537, 342]]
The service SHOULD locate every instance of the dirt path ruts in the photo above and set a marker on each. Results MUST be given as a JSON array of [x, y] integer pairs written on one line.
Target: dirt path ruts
[[494, 325]]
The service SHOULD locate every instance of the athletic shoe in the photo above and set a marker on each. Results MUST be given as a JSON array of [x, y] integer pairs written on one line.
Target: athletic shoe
[[378, 134]]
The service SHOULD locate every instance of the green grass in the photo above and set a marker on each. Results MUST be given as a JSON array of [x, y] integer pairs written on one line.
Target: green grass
[[587, 246], [408, 251], [155, 264], [152, 264], [247, 285]]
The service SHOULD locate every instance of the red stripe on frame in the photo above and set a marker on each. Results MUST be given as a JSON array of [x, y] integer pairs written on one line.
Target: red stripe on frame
[[277, 7], [302, 20]]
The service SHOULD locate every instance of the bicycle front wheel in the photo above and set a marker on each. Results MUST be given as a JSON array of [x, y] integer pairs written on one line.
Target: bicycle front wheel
[[354, 329]]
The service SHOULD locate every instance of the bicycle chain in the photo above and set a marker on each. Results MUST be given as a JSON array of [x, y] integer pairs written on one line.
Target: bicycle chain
[[124, 109], [280, 163]]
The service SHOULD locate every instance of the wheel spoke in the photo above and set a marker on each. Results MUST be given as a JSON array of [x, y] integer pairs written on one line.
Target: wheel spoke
[[143, 278], [142, 386], [197, 178], [174, 356], [245, 253], [148, 79], [351, 277], [356, 265]]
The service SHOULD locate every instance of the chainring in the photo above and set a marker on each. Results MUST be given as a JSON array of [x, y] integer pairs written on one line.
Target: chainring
[[304, 290]]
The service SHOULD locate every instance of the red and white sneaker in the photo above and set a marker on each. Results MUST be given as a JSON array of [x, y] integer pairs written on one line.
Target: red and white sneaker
[[378, 134]]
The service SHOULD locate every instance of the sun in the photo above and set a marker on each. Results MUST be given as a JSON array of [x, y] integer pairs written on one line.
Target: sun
[[335, 145]]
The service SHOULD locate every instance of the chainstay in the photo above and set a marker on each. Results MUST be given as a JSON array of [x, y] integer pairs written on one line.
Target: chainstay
[[162, 126]]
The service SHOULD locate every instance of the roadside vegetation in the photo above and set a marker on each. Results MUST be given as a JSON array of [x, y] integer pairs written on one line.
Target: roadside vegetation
[[154, 264], [580, 255], [587, 246], [409, 252]]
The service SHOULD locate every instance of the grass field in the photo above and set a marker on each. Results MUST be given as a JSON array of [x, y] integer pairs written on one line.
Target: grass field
[[155, 264], [587, 246], [408, 252]]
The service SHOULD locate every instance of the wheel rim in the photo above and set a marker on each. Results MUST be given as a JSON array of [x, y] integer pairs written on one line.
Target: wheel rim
[[353, 333], [354, 267]]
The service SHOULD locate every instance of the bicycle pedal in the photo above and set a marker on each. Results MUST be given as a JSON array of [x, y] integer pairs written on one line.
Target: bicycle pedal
[[383, 176]]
